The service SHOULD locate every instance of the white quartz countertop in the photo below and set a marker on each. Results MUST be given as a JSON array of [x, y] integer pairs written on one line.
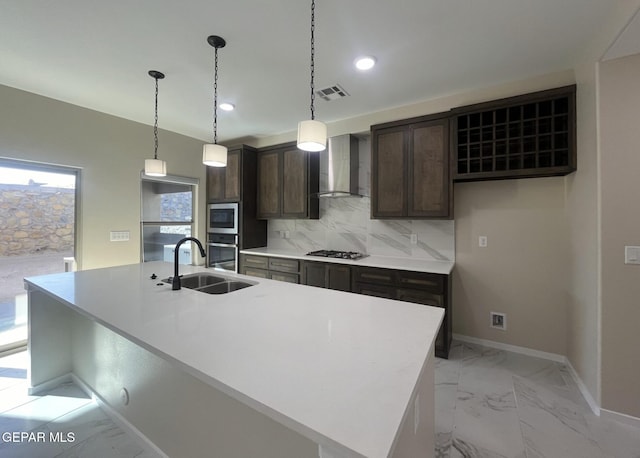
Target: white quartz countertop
[[386, 262], [337, 367]]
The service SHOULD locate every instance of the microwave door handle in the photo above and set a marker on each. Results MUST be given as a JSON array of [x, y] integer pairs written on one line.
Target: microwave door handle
[[225, 245]]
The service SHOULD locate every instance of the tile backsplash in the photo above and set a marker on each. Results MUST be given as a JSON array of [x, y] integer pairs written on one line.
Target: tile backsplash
[[344, 224]]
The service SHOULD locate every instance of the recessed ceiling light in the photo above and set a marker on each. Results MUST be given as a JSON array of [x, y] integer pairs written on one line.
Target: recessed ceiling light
[[227, 106], [365, 63]]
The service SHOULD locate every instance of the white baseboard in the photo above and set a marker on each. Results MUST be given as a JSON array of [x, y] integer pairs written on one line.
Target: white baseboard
[[620, 418], [117, 418], [513, 348], [542, 355], [586, 394], [50, 384]]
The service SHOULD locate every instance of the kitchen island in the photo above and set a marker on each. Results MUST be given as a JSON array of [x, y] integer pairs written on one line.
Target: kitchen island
[[272, 370]]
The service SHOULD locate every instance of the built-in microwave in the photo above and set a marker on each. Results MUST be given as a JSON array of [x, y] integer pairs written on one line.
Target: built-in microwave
[[223, 218]]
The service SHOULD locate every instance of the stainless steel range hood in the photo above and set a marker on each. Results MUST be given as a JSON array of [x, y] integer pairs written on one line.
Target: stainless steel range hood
[[339, 167]]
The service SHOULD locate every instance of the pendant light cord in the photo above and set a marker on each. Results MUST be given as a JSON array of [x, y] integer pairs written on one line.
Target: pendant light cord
[[313, 51], [155, 125], [215, 100]]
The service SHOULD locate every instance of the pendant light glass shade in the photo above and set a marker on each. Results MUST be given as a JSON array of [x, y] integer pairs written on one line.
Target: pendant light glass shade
[[155, 167], [312, 135], [214, 155]]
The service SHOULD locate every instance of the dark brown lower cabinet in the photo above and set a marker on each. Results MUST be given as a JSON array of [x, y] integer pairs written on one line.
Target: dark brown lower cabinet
[[418, 287], [327, 275], [281, 269]]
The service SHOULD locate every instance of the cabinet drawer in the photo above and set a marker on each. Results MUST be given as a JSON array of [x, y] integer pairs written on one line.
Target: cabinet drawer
[[420, 297], [259, 262], [419, 280], [281, 276], [284, 265], [376, 276], [374, 290], [256, 272]]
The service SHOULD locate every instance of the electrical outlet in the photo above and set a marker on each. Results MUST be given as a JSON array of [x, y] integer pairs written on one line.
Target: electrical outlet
[[632, 254], [498, 320], [414, 239], [482, 241], [124, 396]]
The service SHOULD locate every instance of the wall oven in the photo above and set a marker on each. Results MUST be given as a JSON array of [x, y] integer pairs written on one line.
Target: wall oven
[[222, 252], [223, 218]]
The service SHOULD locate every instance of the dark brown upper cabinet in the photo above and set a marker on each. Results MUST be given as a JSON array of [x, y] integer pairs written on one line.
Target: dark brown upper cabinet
[[532, 135], [227, 184], [288, 183], [410, 169]]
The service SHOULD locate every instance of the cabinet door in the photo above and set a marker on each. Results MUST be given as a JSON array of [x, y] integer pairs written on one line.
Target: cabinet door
[[388, 176], [338, 277], [294, 183], [215, 184], [233, 176], [429, 183], [269, 185], [314, 274], [223, 183]]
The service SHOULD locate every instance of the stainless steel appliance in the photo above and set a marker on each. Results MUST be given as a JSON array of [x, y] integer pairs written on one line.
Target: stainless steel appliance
[[223, 218], [222, 251], [337, 254]]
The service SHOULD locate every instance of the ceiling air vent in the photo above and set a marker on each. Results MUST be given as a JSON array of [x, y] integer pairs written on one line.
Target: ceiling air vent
[[334, 92]]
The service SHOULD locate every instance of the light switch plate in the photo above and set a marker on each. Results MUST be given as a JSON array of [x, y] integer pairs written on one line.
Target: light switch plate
[[632, 254], [119, 236], [482, 241]]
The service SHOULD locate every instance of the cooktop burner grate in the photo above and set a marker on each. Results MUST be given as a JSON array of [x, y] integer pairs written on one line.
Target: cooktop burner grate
[[337, 254]]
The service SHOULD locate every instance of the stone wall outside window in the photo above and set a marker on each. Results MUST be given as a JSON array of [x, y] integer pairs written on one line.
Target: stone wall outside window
[[36, 219]]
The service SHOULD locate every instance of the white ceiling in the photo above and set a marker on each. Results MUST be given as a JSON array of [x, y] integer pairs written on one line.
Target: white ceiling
[[96, 54]]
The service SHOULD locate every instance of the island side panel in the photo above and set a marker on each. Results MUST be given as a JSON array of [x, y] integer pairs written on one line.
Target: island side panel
[[177, 412], [417, 433], [49, 343]]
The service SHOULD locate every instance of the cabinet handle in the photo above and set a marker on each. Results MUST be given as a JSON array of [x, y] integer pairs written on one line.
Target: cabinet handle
[[415, 281], [376, 277]]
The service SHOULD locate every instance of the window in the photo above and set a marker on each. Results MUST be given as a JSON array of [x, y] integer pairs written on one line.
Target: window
[[167, 216], [38, 235]]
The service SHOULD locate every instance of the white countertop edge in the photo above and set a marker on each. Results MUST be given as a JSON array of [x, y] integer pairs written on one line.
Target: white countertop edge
[[385, 262]]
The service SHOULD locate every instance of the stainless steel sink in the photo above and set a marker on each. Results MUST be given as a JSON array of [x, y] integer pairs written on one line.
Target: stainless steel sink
[[225, 287], [209, 283]]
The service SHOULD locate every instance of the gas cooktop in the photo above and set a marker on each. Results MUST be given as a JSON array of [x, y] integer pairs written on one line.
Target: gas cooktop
[[337, 254]]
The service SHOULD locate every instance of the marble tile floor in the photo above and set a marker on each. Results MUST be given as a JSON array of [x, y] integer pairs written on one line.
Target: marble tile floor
[[489, 404], [493, 403]]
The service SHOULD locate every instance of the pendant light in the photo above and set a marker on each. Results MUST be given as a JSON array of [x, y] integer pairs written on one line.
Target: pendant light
[[312, 134], [155, 167], [215, 155]]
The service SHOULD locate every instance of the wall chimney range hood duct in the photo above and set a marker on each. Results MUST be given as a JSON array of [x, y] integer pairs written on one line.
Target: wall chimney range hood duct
[[339, 167]]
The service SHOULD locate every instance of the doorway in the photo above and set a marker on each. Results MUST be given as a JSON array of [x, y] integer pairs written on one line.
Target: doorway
[[37, 236]]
